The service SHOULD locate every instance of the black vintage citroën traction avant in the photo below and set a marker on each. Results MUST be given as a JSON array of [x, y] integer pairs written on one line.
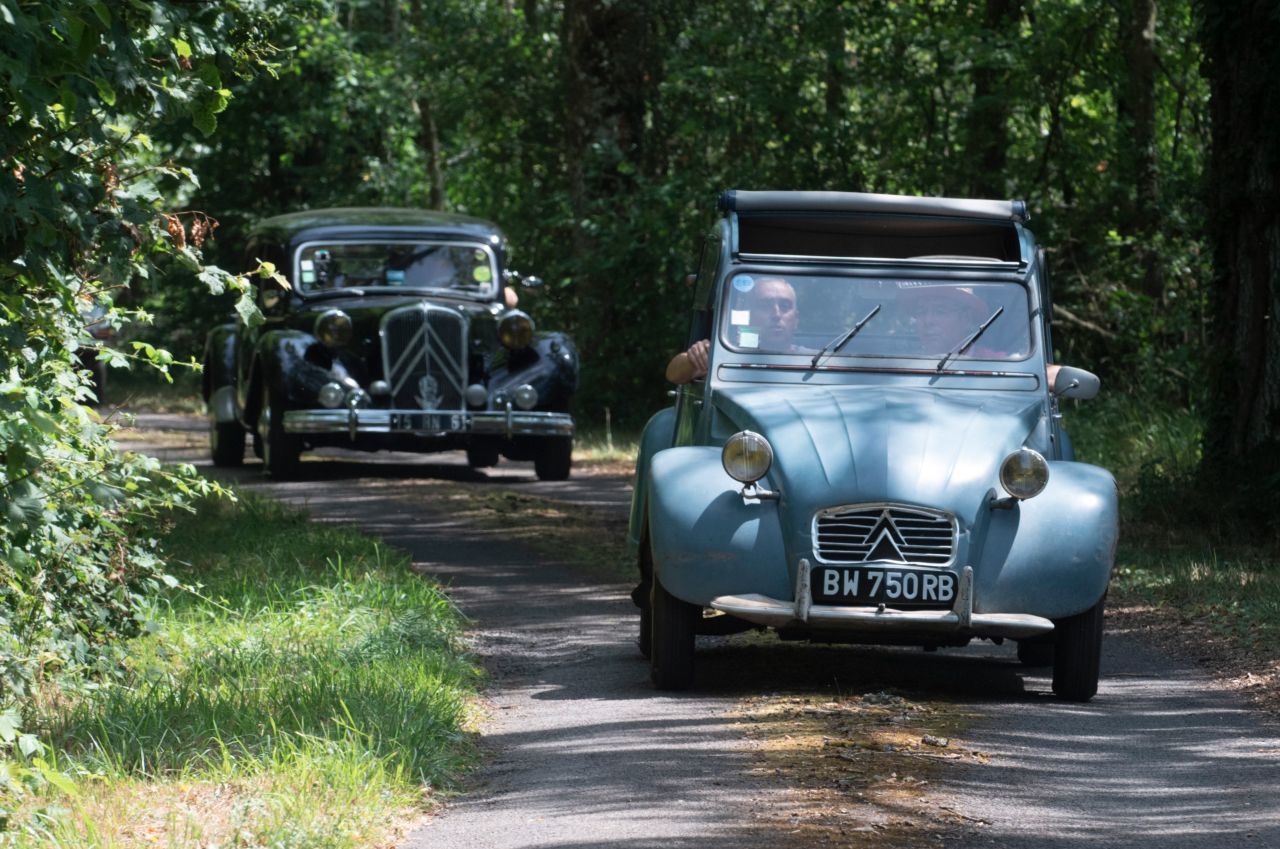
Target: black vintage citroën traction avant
[[397, 330]]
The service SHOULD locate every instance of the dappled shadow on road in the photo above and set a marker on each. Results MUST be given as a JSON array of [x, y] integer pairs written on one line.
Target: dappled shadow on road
[[1157, 759]]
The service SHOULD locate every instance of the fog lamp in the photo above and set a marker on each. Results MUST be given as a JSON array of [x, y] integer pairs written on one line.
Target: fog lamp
[[1024, 473], [476, 395], [747, 456], [333, 328], [331, 395], [525, 396], [516, 330], [379, 387]]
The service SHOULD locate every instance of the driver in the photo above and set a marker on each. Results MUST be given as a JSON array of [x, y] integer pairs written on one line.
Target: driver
[[772, 302]]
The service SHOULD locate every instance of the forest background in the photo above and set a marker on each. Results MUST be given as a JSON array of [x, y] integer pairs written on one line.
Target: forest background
[[598, 134]]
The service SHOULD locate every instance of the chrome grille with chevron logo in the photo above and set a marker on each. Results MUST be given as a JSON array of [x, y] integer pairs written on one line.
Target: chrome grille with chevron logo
[[866, 533], [424, 357]]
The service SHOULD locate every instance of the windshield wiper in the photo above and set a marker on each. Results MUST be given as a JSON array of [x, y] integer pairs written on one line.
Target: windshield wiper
[[973, 337], [843, 339]]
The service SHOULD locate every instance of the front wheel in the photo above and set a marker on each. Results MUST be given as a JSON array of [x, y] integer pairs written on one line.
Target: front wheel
[[226, 443], [1077, 655], [553, 458], [673, 623], [280, 450]]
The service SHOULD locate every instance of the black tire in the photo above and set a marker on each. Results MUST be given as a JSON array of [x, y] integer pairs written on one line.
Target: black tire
[[672, 629], [279, 450], [1035, 652], [483, 455], [553, 458], [226, 443], [1077, 655], [644, 641]]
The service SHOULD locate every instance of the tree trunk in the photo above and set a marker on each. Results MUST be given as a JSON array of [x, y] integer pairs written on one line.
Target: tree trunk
[[987, 134], [612, 64], [429, 143], [1135, 142], [1242, 60]]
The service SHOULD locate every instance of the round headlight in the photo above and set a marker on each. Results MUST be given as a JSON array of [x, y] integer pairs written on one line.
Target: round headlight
[[1024, 473], [515, 330], [331, 395], [333, 328], [747, 456], [525, 396]]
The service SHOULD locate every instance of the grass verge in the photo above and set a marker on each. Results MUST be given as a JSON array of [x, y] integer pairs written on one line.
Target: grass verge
[[310, 692]]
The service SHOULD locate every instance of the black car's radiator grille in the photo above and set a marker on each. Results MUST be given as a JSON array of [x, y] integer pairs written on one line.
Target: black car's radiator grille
[[861, 533], [424, 357]]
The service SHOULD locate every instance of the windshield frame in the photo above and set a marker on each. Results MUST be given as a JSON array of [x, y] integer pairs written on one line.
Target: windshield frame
[[488, 293]]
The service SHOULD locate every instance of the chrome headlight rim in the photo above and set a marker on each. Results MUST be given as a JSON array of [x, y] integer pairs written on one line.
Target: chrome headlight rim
[[747, 456], [334, 328], [515, 330], [1024, 473]]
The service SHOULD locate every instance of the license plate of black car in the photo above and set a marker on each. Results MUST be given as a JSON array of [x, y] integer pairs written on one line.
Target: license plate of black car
[[878, 585], [424, 422]]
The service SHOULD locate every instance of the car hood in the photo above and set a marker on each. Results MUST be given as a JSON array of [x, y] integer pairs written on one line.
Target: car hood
[[856, 444]]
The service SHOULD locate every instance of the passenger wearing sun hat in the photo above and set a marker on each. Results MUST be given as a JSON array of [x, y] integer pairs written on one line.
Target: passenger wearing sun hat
[[945, 316]]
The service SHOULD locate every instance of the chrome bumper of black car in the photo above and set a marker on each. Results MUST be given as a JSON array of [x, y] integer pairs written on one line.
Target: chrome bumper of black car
[[505, 423], [801, 612]]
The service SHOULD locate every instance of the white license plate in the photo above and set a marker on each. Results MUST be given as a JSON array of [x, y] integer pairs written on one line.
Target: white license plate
[[427, 422], [877, 585]]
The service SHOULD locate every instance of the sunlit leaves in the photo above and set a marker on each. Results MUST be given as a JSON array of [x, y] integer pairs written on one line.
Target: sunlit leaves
[[83, 86]]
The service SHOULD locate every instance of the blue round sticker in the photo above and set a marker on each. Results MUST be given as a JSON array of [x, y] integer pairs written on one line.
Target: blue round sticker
[[744, 283]]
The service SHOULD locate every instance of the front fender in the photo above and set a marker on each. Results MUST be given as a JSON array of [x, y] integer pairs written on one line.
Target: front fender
[[549, 365], [282, 361], [706, 540], [657, 435], [1051, 555]]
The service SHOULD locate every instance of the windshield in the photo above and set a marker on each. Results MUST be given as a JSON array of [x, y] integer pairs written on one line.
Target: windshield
[[919, 318], [328, 266]]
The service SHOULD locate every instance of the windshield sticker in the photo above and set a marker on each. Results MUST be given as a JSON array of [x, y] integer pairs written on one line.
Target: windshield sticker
[[308, 277], [395, 276], [479, 255], [737, 317], [481, 273], [744, 283], [748, 337], [307, 265]]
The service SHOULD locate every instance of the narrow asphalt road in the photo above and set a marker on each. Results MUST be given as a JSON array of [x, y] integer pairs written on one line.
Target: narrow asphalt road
[[585, 754]]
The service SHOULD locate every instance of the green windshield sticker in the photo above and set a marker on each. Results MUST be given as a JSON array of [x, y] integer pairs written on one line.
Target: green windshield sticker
[[482, 274]]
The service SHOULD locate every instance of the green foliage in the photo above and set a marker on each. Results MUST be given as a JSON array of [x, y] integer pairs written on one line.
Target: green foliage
[[83, 216], [599, 136], [309, 680]]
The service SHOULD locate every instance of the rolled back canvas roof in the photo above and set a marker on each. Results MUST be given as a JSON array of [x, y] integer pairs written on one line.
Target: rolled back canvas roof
[[851, 225]]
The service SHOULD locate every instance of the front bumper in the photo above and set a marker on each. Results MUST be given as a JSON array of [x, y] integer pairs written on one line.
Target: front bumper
[[506, 423], [801, 613]]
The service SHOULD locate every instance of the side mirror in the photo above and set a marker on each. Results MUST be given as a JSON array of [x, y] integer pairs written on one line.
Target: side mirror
[[531, 282], [1076, 383]]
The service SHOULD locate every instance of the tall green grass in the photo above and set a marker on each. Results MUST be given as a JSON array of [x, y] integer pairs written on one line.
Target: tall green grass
[[308, 692]]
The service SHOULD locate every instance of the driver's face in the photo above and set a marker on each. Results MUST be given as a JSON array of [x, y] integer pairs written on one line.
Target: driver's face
[[773, 310]]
